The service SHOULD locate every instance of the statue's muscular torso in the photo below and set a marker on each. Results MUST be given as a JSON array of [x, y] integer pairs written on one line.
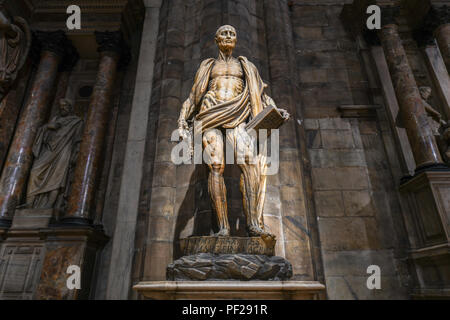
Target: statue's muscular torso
[[226, 80]]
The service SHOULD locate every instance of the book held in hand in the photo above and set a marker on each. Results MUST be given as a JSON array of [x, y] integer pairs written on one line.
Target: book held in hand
[[269, 118]]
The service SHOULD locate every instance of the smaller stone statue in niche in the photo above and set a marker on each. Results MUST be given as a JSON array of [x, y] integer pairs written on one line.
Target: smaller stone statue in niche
[[15, 42], [441, 129], [434, 117], [55, 150], [445, 129]]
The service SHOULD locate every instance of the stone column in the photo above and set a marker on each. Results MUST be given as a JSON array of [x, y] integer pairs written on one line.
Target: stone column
[[441, 16], [10, 107], [20, 156], [412, 110], [81, 200], [442, 34]]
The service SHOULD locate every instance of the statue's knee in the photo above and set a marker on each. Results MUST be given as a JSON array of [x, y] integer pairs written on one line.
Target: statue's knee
[[217, 168]]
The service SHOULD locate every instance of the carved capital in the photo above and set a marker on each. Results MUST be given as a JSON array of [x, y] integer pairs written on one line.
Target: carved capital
[[389, 15], [58, 43], [436, 17], [439, 14], [113, 42], [53, 41], [371, 37]]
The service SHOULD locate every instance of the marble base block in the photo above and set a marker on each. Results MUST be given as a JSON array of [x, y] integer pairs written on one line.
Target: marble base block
[[207, 266]]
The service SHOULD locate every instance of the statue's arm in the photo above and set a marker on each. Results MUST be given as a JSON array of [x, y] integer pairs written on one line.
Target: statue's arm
[[268, 101], [6, 26], [186, 111], [188, 107], [53, 124], [432, 113]]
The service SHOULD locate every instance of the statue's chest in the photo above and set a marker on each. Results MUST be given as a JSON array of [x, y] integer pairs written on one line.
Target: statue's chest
[[231, 68]]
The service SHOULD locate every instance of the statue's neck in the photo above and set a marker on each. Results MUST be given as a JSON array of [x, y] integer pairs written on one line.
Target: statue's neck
[[225, 55]]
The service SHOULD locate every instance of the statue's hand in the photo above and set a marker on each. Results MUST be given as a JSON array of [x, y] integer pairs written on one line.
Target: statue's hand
[[183, 129], [185, 134], [284, 114], [53, 126]]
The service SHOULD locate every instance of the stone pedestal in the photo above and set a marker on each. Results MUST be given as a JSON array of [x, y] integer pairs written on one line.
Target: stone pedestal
[[32, 218], [69, 246], [231, 290], [428, 195], [229, 258], [229, 268], [207, 266], [34, 257]]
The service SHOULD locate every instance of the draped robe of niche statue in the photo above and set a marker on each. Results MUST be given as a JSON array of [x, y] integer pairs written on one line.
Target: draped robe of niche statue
[[55, 151], [15, 42], [439, 127], [226, 94]]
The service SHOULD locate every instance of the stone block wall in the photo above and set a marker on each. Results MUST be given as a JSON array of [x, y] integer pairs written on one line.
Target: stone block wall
[[355, 197], [355, 201]]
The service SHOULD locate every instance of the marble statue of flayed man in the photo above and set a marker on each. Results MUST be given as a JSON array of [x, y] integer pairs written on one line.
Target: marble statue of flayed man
[[54, 153], [15, 42], [227, 93]]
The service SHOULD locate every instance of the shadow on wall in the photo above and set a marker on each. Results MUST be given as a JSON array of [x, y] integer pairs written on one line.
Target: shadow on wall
[[196, 216]]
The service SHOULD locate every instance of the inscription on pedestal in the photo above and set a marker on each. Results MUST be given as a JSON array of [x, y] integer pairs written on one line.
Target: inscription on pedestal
[[227, 245]]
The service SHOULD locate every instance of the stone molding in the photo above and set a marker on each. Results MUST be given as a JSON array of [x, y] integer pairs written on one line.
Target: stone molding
[[358, 111], [212, 290]]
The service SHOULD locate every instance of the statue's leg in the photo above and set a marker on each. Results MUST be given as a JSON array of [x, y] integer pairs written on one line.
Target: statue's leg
[[40, 200], [253, 188], [253, 181], [214, 150], [52, 197]]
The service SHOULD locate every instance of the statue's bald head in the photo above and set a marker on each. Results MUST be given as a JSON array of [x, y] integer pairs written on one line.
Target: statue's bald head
[[226, 27], [226, 38]]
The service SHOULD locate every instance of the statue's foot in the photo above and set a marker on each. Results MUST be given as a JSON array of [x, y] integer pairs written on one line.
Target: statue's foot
[[255, 231], [223, 233]]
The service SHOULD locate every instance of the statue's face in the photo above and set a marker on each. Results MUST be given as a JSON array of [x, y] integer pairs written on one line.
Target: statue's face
[[425, 92], [65, 107], [226, 38]]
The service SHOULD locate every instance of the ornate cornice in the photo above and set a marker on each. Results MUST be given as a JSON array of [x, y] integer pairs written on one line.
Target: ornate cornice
[[112, 41], [53, 41], [436, 16], [89, 5], [389, 15], [102, 15], [56, 42]]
